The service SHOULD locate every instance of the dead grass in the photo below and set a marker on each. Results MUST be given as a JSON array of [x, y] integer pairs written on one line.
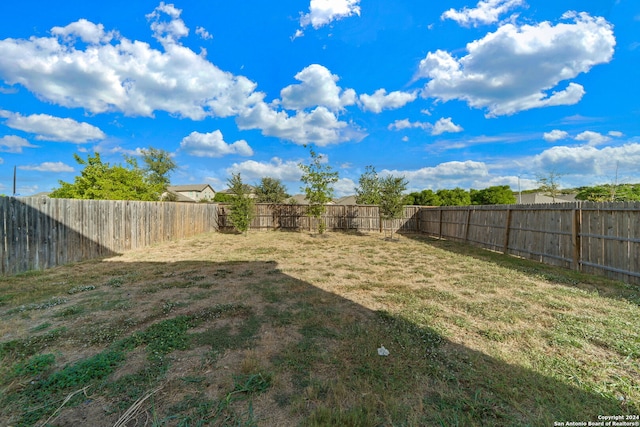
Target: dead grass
[[282, 329]]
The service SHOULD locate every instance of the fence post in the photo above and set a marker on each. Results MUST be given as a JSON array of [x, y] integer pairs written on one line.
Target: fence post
[[466, 229], [440, 224], [575, 237], [507, 229]]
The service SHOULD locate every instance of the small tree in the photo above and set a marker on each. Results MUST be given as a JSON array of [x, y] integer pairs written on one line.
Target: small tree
[[158, 166], [549, 184], [391, 198], [271, 190], [241, 204], [368, 191], [319, 179]]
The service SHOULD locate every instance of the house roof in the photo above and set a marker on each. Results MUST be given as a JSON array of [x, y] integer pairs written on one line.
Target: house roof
[[191, 187], [301, 199], [346, 200], [248, 188], [535, 198], [180, 197], [298, 199]]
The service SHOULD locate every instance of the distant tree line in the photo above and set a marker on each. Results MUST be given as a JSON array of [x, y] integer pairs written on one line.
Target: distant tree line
[[149, 181], [610, 193], [496, 195]]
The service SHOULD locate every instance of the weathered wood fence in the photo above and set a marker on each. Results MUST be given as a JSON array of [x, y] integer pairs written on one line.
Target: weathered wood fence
[[38, 233], [597, 238], [363, 218]]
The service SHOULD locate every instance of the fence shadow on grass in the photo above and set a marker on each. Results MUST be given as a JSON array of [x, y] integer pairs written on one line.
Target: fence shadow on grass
[[318, 350], [557, 275]]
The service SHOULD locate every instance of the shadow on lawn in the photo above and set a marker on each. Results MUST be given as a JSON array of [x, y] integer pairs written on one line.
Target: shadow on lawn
[[318, 350], [557, 275]]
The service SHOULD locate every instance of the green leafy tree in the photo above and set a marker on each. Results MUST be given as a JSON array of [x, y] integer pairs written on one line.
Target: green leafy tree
[[455, 197], [391, 198], [102, 181], [223, 198], [368, 191], [158, 166], [242, 206], [271, 190], [496, 195], [423, 198], [318, 178]]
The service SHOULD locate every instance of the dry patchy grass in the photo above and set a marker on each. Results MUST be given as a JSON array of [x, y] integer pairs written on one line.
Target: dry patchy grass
[[283, 329]]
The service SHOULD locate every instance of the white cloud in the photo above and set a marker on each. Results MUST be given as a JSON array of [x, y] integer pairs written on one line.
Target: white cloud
[[407, 124], [615, 133], [111, 149], [344, 187], [380, 100], [444, 175], [319, 126], [317, 100], [50, 128], [442, 125], [318, 87], [323, 12], [202, 32], [287, 171], [517, 68], [109, 73], [167, 32], [213, 145], [485, 12], [554, 135], [592, 138], [586, 160], [123, 75], [445, 125], [14, 144], [48, 167], [87, 31]]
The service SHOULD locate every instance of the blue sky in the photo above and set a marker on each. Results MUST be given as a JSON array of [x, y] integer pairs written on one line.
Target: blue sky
[[449, 94]]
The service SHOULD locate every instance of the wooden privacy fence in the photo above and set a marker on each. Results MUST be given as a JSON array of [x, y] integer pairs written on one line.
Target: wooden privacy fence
[[597, 238], [38, 233], [364, 218]]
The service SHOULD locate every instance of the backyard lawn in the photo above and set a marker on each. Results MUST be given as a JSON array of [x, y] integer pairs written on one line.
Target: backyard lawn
[[279, 329]]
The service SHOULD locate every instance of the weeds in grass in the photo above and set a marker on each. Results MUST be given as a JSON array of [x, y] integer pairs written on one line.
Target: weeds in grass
[[70, 312], [40, 397], [78, 289], [52, 302], [21, 348], [34, 365], [41, 327]]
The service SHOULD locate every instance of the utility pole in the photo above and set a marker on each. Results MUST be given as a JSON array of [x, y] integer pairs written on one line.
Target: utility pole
[[14, 181], [519, 192]]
